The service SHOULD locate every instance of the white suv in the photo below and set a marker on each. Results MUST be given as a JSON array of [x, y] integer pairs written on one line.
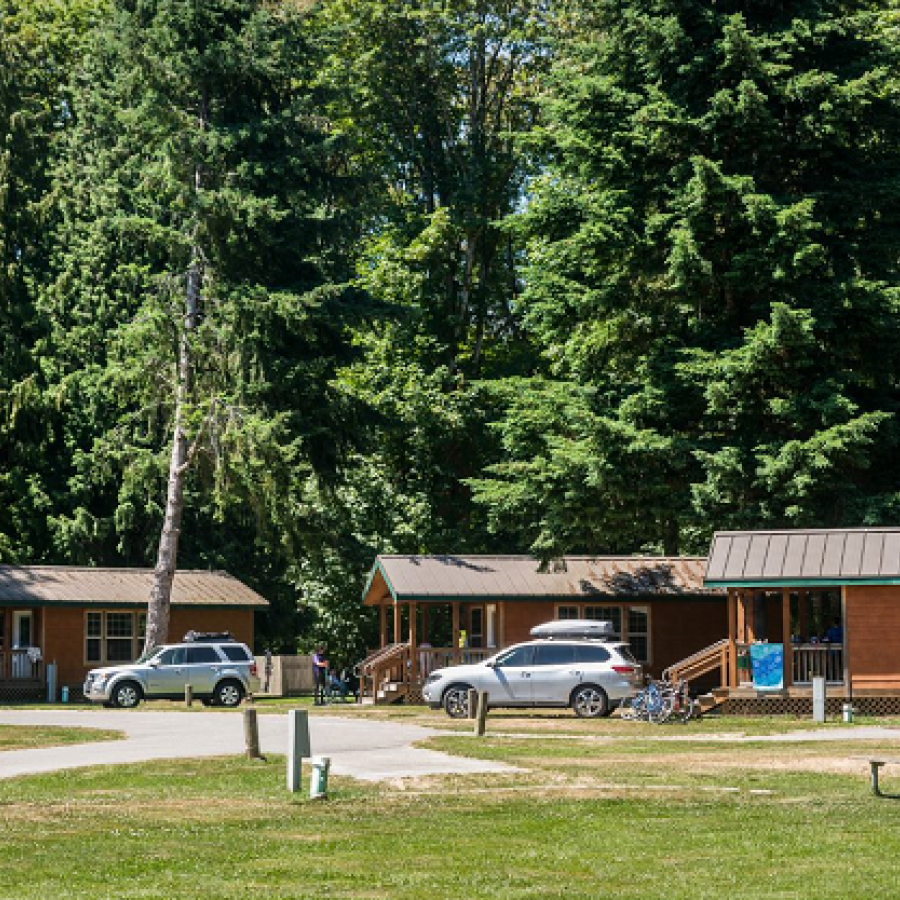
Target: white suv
[[220, 671], [574, 663]]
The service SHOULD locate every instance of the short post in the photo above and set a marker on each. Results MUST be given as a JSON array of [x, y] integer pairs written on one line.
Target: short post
[[876, 764], [251, 733], [298, 747], [51, 682], [481, 718], [473, 702], [818, 698], [188, 695], [318, 782], [64, 694]]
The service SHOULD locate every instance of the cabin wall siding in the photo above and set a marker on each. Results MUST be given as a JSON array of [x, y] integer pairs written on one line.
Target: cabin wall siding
[[873, 635]]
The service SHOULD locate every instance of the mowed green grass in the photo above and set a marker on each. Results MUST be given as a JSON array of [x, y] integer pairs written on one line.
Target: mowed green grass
[[586, 816], [17, 737]]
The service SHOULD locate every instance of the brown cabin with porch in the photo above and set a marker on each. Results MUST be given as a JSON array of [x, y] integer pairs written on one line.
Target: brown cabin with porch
[[82, 618], [828, 598], [444, 610]]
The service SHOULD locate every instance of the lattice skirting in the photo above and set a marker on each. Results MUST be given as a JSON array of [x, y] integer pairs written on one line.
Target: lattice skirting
[[22, 693], [801, 707], [15, 693]]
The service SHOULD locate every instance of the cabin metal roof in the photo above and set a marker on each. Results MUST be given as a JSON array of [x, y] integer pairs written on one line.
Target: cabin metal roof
[[76, 586], [446, 577], [832, 556]]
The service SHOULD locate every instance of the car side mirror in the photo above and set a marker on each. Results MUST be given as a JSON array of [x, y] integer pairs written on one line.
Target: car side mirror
[[491, 663], [153, 663]]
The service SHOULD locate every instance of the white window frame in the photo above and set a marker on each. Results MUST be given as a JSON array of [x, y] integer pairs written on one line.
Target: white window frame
[[138, 633]]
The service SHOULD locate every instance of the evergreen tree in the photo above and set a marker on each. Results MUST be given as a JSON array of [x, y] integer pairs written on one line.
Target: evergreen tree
[[197, 302], [714, 257], [39, 44]]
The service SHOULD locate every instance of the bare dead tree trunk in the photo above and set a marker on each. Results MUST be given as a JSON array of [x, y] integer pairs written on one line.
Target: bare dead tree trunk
[[182, 449], [179, 463]]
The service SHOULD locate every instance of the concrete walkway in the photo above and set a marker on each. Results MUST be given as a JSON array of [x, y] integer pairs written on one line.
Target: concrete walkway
[[371, 751]]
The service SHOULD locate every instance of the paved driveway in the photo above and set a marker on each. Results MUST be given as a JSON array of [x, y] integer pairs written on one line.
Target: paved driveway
[[372, 751]]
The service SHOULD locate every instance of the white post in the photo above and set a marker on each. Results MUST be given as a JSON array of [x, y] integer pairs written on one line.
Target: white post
[[298, 747], [818, 684]]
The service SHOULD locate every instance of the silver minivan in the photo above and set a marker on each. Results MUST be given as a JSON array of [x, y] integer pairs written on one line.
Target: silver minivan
[[575, 663]]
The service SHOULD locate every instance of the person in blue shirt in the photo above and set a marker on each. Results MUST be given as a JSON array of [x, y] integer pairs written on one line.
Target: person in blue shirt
[[835, 634]]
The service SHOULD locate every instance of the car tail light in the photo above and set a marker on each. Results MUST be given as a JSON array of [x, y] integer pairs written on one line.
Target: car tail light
[[253, 671], [624, 670]]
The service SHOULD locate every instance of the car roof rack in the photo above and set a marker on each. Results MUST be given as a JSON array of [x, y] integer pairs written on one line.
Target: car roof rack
[[208, 637], [584, 629]]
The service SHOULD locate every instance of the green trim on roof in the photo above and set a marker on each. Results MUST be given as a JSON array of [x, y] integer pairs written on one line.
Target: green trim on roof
[[378, 567], [561, 599], [803, 582]]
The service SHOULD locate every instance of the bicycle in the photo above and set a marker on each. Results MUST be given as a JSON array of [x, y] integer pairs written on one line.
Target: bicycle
[[661, 701]]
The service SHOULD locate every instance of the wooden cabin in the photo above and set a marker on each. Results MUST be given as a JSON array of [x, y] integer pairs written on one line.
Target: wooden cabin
[[83, 618], [822, 603], [444, 610]]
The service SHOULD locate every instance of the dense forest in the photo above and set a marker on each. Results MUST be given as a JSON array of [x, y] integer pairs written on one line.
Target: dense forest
[[353, 277]]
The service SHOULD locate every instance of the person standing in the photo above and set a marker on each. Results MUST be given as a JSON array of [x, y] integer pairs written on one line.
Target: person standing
[[320, 675]]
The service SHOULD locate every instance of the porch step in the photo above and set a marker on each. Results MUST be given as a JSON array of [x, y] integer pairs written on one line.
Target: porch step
[[391, 692], [713, 699]]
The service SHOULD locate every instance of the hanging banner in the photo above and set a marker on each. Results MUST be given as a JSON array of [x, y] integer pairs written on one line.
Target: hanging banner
[[768, 666]]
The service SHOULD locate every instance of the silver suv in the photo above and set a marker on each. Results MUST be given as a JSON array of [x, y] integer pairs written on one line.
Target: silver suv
[[573, 664], [220, 671]]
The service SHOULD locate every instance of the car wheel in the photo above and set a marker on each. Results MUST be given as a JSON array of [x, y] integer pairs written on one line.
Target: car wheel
[[126, 695], [590, 702], [456, 701], [228, 693]]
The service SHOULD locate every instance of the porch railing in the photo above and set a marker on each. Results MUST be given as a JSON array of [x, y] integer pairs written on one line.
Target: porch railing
[[818, 660], [431, 658], [20, 665]]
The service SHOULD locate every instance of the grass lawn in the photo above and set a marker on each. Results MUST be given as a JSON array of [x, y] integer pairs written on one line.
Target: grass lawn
[[600, 810], [17, 737]]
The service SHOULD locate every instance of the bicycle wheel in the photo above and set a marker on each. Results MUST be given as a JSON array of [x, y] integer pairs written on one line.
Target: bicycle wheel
[[661, 710]]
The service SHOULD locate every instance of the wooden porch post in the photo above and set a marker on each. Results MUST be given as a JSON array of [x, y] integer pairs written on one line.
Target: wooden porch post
[[413, 646], [732, 637], [751, 617], [786, 637], [382, 623], [426, 624], [456, 655], [398, 633], [741, 617]]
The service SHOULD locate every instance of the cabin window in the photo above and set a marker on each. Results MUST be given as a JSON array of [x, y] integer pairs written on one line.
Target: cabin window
[[639, 632], [606, 614], [113, 636], [630, 624]]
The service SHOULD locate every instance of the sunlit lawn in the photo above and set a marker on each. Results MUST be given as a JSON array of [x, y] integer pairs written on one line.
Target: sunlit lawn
[[597, 810]]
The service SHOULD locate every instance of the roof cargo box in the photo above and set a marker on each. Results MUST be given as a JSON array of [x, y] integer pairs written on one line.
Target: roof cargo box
[[574, 628]]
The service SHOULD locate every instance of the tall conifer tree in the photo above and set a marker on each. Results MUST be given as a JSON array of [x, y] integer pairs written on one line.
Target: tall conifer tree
[[197, 299], [714, 256]]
